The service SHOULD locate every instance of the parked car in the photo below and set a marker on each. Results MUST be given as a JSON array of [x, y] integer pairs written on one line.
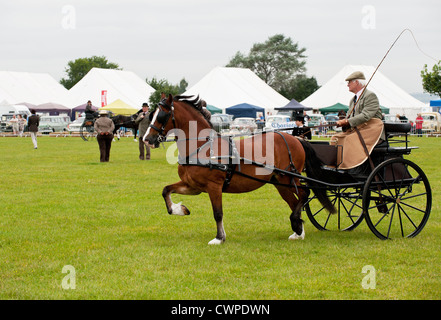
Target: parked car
[[53, 124], [431, 121], [246, 125], [75, 125], [316, 120], [390, 118], [393, 118], [278, 121], [332, 119], [5, 126], [220, 122]]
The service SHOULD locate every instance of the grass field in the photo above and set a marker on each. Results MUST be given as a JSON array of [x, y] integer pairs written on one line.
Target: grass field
[[61, 207]]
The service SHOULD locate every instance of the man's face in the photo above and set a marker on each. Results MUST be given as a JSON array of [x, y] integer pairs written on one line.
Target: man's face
[[353, 86]]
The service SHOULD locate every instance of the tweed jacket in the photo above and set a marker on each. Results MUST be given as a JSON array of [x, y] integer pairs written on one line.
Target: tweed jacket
[[367, 107], [143, 123], [104, 124], [33, 123]]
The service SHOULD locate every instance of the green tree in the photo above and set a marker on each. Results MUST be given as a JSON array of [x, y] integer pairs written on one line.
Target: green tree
[[78, 68], [299, 88], [164, 86], [278, 61], [432, 80]]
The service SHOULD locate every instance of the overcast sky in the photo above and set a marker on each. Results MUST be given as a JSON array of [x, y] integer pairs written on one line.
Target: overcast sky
[[175, 39]]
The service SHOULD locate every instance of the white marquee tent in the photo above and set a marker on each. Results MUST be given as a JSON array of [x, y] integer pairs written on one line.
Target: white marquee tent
[[224, 87], [118, 84], [389, 94], [34, 88]]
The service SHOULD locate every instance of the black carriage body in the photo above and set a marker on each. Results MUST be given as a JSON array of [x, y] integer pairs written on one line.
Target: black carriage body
[[395, 197]]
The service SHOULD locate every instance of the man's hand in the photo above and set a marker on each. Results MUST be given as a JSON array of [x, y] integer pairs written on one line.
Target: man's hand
[[343, 123]]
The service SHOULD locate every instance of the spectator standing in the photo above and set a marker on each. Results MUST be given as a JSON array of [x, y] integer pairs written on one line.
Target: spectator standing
[[21, 125], [419, 125], [143, 123], [104, 126], [14, 124]]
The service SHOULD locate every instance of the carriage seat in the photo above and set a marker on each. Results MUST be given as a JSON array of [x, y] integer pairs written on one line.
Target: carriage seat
[[396, 128]]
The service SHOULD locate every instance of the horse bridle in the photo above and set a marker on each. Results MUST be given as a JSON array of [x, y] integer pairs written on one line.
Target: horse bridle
[[162, 117]]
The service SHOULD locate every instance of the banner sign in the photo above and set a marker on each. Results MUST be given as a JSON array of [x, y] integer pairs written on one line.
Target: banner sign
[[103, 98]]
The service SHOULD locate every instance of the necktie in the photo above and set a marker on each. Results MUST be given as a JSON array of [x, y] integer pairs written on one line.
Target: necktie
[[355, 101]]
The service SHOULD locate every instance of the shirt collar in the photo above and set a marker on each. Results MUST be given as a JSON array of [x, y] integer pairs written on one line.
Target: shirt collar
[[359, 93]]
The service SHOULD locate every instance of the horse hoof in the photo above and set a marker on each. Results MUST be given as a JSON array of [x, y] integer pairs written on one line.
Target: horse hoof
[[216, 241], [295, 236], [179, 210]]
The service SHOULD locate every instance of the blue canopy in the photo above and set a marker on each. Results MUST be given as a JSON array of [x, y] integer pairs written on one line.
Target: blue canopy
[[294, 105], [244, 110], [435, 103]]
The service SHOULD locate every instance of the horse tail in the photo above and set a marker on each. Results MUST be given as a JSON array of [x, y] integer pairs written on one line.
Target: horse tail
[[314, 170]]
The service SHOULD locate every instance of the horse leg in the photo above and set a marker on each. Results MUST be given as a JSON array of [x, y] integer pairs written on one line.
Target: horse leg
[[134, 134], [295, 203], [180, 188], [216, 203]]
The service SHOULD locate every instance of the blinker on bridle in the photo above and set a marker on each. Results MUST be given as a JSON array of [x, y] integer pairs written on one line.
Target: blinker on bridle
[[163, 117]]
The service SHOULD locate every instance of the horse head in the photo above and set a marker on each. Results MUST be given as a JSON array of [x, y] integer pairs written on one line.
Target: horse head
[[161, 122]]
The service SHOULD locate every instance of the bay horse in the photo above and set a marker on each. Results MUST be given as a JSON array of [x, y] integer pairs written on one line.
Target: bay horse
[[211, 163], [126, 122]]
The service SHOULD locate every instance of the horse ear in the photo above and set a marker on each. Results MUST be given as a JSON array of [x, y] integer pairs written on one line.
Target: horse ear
[[162, 95], [170, 99]]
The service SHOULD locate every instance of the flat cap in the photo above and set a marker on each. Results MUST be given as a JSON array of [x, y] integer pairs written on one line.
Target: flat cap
[[356, 75]]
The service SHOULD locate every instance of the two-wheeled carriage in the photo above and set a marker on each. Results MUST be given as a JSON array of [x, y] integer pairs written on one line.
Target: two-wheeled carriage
[[395, 197], [87, 129]]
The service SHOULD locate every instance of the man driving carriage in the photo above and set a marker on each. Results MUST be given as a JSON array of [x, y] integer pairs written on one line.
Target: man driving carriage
[[89, 112], [362, 128]]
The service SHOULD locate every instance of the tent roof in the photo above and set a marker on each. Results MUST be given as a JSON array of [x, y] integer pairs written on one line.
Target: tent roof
[[52, 107], [294, 105], [82, 107], [213, 109], [334, 108], [244, 110], [224, 87], [34, 88], [389, 94], [120, 107], [124, 85], [246, 106]]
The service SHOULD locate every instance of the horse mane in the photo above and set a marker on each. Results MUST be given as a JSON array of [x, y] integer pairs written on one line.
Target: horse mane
[[195, 103]]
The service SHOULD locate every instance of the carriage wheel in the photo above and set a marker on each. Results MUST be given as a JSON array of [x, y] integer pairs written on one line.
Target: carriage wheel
[[347, 201], [397, 199], [87, 130]]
